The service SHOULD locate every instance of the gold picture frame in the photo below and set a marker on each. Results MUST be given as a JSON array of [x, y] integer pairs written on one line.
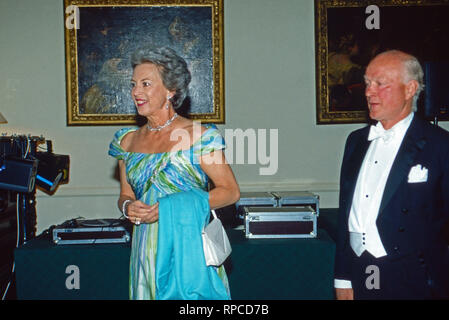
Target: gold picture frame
[[419, 27], [100, 36]]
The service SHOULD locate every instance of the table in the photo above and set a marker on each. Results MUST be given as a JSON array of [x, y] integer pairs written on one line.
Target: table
[[271, 269], [41, 268], [257, 269]]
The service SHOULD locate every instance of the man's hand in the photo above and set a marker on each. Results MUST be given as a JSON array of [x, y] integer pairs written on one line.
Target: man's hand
[[344, 294]]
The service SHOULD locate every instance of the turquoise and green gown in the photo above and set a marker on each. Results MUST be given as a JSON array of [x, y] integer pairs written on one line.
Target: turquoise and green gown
[[154, 175]]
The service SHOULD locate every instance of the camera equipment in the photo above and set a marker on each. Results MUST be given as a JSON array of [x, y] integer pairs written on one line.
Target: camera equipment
[[22, 168], [52, 170], [18, 174]]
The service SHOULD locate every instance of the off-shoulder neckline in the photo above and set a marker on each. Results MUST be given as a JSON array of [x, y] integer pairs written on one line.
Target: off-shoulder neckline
[[157, 153]]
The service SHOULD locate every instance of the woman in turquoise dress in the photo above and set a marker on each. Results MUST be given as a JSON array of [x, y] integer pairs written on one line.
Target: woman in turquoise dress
[[169, 154]]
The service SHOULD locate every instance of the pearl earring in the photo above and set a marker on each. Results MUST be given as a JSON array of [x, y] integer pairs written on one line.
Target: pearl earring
[[168, 98]]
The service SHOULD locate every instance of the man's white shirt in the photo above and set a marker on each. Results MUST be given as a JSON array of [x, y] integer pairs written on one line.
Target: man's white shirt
[[369, 190]]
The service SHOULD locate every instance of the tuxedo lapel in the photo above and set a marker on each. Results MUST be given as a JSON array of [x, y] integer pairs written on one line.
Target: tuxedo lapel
[[412, 144], [354, 164]]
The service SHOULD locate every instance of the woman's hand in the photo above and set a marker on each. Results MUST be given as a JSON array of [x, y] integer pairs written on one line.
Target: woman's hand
[[139, 212]]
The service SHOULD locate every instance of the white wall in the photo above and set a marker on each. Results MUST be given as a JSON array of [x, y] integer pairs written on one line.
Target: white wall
[[269, 83]]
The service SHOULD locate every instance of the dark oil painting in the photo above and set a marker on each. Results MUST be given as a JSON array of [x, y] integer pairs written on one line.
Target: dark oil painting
[[108, 36], [421, 30]]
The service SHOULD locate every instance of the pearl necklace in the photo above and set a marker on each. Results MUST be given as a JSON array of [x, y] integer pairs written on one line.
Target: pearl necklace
[[166, 124]]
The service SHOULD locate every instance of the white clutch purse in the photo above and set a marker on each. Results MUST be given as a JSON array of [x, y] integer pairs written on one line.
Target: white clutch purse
[[216, 244]]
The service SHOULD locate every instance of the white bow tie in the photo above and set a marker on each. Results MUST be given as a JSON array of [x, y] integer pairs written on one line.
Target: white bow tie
[[379, 132]]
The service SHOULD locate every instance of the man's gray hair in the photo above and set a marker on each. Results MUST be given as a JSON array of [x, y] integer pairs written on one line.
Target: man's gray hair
[[412, 71], [172, 68]]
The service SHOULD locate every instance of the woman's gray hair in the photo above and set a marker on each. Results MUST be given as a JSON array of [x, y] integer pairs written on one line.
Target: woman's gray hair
[[172, 68]]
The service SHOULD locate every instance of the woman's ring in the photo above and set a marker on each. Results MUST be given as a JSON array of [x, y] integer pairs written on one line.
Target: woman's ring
[[137, 221]]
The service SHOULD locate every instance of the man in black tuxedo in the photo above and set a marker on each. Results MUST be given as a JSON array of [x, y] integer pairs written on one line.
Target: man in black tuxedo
[[394, 193]]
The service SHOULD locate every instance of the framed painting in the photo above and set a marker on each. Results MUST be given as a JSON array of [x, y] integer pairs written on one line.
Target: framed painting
[[349, 33], [101, 35]]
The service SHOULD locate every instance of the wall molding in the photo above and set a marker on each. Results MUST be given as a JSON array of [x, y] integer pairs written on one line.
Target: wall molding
[[88, 191], [94, 191], [290, 186]]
